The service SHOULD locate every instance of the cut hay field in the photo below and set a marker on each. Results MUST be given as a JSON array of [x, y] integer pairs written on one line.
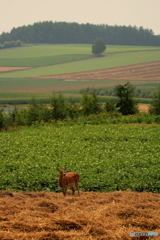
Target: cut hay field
[[98, 216]]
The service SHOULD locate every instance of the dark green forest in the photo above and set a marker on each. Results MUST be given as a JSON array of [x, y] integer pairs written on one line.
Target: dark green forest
[[63, 32]]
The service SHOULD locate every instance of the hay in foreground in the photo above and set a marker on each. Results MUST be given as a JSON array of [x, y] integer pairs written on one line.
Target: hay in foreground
[[93, 215]]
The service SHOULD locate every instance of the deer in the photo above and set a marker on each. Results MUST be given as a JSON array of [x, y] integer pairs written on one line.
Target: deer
[[68, 180]]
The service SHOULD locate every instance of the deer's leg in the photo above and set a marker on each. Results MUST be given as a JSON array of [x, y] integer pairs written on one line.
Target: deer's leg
[[77, 189], [64, 191], [73, 191]]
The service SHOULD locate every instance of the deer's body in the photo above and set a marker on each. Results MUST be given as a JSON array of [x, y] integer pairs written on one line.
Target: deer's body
[[68, 180]]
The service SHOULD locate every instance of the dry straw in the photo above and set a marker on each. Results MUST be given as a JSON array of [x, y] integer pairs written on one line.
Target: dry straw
[[93, 215]]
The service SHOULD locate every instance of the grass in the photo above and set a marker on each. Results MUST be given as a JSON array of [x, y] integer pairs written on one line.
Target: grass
[[86, 65], [108, 157], [32, 51], [41, 61], [44, 51]]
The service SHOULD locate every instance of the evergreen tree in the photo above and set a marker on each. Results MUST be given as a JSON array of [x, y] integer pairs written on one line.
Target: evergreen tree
[[127, 105]]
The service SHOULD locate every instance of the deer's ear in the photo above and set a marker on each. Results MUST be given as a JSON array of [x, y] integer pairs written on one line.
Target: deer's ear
[[65, 168], [58, 169]]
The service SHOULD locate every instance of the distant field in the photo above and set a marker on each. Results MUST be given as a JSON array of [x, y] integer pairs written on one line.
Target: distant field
[[66, 58], [87, 65], [41, 61], [45, 86], [32, 51]]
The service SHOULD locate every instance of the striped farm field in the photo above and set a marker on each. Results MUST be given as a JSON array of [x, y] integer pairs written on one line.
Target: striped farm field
[[88, 65], [44, 62]]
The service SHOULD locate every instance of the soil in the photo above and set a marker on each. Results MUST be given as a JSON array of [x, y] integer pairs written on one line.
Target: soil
[[141, 71], [143, 108], [92, 215], [12, 69]]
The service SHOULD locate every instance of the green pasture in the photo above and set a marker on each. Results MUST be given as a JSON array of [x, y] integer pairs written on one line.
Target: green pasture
[[41, 61], [107, 157], [33, 51], [87, 65]]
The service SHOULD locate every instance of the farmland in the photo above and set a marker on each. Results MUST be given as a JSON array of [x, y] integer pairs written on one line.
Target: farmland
[[107, 157], [71, 67], [114, 161], [118, 164], [89, 64]]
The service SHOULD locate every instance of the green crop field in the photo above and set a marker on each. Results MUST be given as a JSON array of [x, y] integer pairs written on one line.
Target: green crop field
[[107, 157]]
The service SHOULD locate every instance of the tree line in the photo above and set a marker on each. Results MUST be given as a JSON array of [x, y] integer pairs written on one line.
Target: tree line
[[63, 32], [109, 91], [60, 109]]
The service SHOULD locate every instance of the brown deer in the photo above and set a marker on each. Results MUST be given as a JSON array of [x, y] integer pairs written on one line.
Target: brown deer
[[68, 180]]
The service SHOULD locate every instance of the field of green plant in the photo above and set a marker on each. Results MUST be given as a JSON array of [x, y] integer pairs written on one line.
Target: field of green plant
[[107, 157]]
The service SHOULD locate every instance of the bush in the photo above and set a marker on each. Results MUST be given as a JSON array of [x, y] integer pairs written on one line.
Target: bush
[[155, 103], [90, 103], [59, 107], [110, 105]]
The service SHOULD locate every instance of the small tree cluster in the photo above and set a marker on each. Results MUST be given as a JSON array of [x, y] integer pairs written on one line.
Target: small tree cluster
[[11, 44], [109, 91]]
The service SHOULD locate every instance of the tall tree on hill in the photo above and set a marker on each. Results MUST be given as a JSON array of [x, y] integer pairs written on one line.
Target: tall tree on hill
[[98, 46]]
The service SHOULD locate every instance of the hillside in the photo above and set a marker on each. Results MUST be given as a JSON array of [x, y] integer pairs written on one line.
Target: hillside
[[98, 216]]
